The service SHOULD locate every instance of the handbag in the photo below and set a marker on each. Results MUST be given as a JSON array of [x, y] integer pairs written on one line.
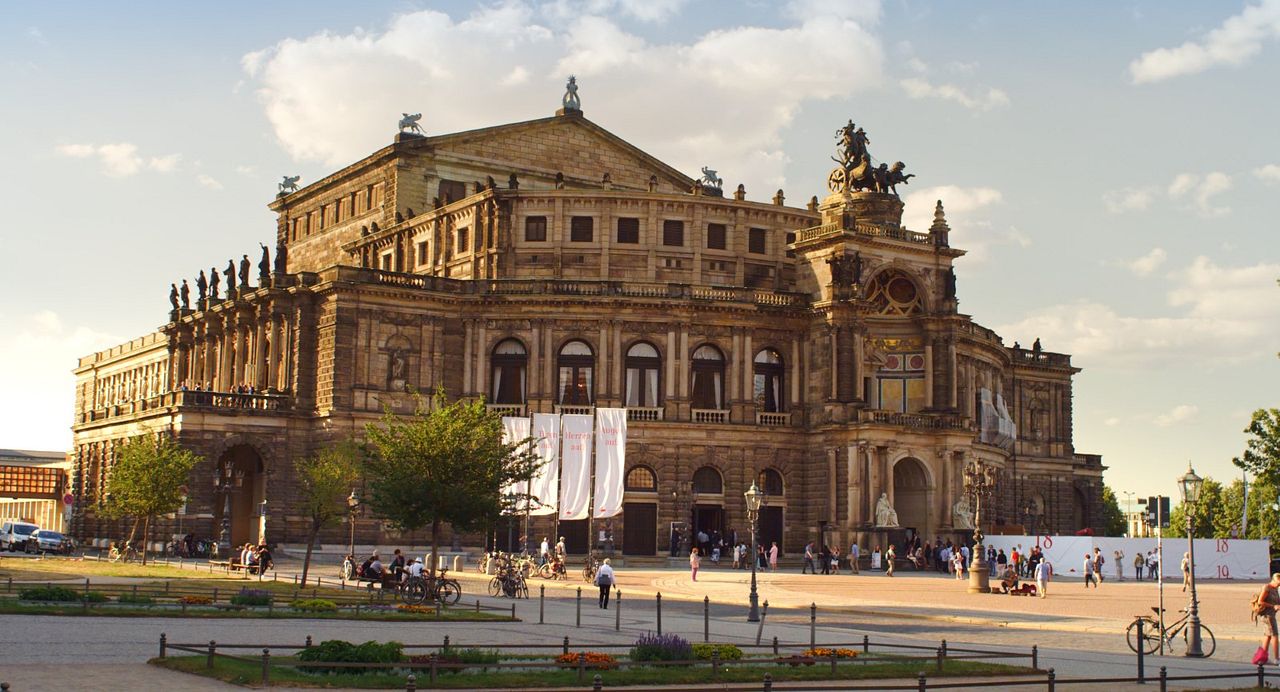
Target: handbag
[[1260, 657]]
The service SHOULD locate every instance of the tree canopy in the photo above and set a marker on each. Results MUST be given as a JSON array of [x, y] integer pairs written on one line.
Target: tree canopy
[[323, 483], [149, 477], [1261, 456], [1113, 519]]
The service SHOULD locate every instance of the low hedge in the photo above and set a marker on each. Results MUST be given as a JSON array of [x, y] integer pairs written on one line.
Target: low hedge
[[314, 605], [60, 594], [251, 597], [135, 599], [338, 651], [726, 652]]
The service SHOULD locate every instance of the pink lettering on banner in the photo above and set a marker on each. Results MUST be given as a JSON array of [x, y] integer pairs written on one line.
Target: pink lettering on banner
[[1222, 545]]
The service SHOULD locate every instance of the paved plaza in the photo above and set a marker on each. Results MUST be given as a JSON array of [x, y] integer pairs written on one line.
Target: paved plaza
[[1079, 633]]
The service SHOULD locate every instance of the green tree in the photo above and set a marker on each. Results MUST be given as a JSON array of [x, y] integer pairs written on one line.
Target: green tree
[[148, 478], [323, 483], [1210, 513], [1113, 520], [1261, 456], [445, 463]]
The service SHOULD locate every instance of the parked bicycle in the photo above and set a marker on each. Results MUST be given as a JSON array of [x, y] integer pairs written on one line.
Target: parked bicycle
[[590, 568], [1175, 634], [128, 554], [510, 581]]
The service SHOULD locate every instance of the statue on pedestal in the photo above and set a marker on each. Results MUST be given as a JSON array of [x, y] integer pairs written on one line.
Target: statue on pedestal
[[886, 516], [185, 294], [288, 183], [202, 287], [230, 274], [173, 296], [410, 122], [264, 267], [962, 513], [213, 283], [281, 254], [244, 271], [571, 102]]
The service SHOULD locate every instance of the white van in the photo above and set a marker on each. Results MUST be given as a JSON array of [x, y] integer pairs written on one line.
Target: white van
[[14, 535]]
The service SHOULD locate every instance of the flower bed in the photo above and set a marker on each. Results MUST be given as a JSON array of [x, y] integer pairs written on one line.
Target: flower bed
[[195, 600], [824, 652], [589, 659]]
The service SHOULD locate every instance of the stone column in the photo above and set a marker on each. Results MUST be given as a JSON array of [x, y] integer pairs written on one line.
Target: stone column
[[833, 347], [747, 360], [260, 350], [273, 354], [467, 350], [672, 348], [928, 375]]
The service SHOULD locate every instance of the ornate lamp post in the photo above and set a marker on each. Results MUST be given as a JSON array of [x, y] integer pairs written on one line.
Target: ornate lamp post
[[979, 481], [1190, 485], [755, 498], [353, 504], [511, 522], [227, 481]]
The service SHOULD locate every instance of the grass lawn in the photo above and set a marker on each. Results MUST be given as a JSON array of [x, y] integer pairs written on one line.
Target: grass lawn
[[250, 672], [13, 607]]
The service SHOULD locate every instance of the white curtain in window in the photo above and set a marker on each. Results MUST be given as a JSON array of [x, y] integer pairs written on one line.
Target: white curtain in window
[[586, 377], [652, 381], [715, 383], [777, 392], [520, 374], [633, 387], [497, 385]]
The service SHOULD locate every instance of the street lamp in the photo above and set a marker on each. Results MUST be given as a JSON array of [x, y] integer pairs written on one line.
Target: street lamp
[[353, 504], [511, 518], [979, 481], [226, 482], [755, 498], [1190, 485]]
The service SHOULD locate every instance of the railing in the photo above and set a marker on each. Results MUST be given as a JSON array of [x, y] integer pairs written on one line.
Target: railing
[[919, 421], [637, 413], [576, 410], [506, 409], [710, 415], [806, 234], [775, 419], [230, 400], [865, 229], [1023, 356]]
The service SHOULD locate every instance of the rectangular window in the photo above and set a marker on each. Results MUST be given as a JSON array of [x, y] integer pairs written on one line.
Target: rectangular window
[[756, 241], [791, 238], [384, 261], [715, 236], [629, 231], [581, 228], [451, 191], [535, 229], [673, 233], [422, 252], [462, 240]]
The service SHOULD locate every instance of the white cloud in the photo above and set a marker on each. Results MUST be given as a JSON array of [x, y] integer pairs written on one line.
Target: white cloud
[[1222, 315], [245, 170], [1183, 413], [1129, 199], [918, 88], [37, 353], [1234, 43], [968, 215], [1269, 173], [121, 159], [1111, 422], [1201, 191], [863, 11], [1148, 263], [721, 99], [642, 10], [35, 34], [208, 181]]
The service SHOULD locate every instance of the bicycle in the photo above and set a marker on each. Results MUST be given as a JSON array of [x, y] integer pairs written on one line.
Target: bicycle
[[590, 568], [129, 554], [1152, 636]]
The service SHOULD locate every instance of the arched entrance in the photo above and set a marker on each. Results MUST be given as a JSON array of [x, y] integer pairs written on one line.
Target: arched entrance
[[1079, 510], [242, 473], [708, 508], [640, 512], [911, 494]]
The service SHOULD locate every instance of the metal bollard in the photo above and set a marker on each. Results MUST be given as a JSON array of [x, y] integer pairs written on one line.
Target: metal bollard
[[944, 648], [266, 667], [617, 611], [566, 646], [1262, 677], [432, 659], [445, 645], [813, 625], [1142, 668], [833, 665], [411, 683], [938, 656], [308, 644], [706, 618], [768, 682], [764, 612], [578, 615], [1164, 679], [598, 683], [775, 646], [866, 643], [582, 667], [658, 600], [212, 647], [1053, 677], [163, 641], [715, 662], [922, 683], [1035, 657], [542, 604]]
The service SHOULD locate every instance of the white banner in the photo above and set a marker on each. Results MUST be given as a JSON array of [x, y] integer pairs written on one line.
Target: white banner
[[611, 459], [1216, 558], [575, 474], [546, 429], [513, 430]]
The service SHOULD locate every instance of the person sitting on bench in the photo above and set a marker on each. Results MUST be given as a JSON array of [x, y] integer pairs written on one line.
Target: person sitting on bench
[[373, 568]]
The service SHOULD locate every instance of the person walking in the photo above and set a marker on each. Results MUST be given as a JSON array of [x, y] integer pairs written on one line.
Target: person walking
[[1186, 570], [544, 552], [1088, 571], [1044, 575], [889, 555], [604, 580], [695, 561], [773, 557], [854, 554], [835, 559], [808, 559], [957, 564], [1098, 562], [1265, 609], [1138, 563], [825, 556]]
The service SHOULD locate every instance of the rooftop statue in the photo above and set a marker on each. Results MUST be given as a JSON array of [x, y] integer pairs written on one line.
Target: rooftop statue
[[570, 100], [856, 171], [264, 266], [213, 283], [185, 294], [410, 122], [289, 184], [202, 287], [710, 179], [173, 296]]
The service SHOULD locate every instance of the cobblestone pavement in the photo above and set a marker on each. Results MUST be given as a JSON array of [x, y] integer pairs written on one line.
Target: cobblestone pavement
[[1079, 633]]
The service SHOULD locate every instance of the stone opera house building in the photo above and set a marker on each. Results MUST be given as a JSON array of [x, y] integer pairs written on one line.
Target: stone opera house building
[[550, 266]]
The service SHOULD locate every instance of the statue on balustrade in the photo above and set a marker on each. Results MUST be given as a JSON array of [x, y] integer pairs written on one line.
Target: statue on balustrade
[[173, 296], [264, 267], [244, 271], [230, 274], [202, 287], [185, 294], [886, 515], [281, 263], [213, 283]]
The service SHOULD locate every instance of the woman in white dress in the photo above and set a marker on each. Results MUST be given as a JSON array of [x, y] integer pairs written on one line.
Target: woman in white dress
[[875, 558]]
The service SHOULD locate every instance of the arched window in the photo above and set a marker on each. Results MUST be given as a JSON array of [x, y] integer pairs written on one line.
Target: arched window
[[893, 292], [577, 374], [508, 366], [770, 481], [643, 365], [708, 378], [768, 389], [641, 479], [707, 481]]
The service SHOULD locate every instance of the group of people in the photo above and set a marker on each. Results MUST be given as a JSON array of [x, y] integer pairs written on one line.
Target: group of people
[[373, 568], [254, 557]]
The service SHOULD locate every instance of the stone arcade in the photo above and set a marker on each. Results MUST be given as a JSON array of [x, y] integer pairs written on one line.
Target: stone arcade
[[818, 351]]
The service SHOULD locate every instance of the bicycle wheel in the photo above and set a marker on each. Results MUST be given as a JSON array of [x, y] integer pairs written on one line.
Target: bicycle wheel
[[450, 592], [544, 572], [587, 573], [495, 586], [415, 591], [1150, 635], [509, 588], [1208, 644]]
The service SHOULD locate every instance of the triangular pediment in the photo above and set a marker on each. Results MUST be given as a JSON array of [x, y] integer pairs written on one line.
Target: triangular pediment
[[568, 144]]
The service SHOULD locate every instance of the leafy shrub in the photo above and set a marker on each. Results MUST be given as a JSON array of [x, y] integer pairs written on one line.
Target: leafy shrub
[[661, 647], [451, 654], [49, 593], [315, 605], [251, 597], [796, 660], [135, 599], [727, 652], [590, 659], [96, 597], [338, 651], [195, 600]]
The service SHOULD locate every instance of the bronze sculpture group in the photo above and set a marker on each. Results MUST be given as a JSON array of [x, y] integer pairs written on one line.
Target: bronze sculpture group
[[857, 172], [207, 286]]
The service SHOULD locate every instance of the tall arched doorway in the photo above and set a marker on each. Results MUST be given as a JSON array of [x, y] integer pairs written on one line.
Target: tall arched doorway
[[1079, 510], [243, 474], [911, 494], [708, 507]]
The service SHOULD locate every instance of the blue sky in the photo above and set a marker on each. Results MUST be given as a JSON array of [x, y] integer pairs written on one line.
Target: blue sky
[[1113, 167]]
